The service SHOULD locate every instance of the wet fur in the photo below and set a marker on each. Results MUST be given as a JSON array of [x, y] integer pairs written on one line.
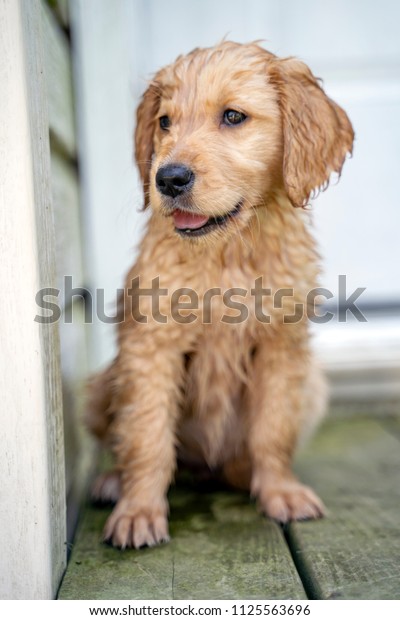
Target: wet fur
[[235, 398]]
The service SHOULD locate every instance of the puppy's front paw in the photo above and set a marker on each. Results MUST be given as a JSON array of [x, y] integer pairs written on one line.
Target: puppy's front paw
[[132, 526], [291, 501]]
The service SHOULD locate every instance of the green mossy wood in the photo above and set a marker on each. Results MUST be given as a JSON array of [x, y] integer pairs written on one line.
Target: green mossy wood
[[355, 553], [222, 549]]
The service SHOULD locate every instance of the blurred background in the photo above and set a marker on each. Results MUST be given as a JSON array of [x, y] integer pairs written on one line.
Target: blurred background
[[355, 48]]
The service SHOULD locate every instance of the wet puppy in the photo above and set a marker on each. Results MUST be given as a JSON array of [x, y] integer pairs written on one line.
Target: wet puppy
[[230, 143]]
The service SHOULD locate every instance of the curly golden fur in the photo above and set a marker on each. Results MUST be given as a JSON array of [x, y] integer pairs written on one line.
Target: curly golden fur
[[233, 395]]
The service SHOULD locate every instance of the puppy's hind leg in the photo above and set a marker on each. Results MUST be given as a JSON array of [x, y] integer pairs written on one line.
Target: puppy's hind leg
[[98, 417], [106, 488]]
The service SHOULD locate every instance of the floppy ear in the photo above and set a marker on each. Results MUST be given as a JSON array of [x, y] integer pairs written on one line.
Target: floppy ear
[[144, 133], [317, 133]]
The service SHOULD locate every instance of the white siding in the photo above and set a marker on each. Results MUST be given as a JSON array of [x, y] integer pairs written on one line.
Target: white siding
[[32, 502]]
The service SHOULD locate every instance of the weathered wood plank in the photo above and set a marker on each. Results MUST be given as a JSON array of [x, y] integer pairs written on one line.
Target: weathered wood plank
[[64, 183], [79, 447], [32, 505], [391, 422], [74, 371], [58, 70], [355, 552], [220, 549]]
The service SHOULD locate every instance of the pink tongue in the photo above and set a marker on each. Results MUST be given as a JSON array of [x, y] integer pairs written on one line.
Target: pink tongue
[[183, 220]]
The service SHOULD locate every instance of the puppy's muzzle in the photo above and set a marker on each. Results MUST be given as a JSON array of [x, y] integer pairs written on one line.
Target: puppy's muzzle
[[174, 179]]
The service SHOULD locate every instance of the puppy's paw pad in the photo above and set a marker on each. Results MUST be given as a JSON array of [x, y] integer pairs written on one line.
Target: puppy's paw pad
[[292, 502], [106, 488], [137, 530]]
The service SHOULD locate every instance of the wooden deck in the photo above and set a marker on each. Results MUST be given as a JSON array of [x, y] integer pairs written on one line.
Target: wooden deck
[[222, 549]]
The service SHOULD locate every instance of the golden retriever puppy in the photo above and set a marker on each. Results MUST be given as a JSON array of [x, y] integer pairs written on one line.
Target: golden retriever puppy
[[214, 366]]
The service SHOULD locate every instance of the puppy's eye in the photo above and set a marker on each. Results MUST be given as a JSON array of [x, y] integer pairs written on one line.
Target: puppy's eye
[[233, 117], [165, 122]]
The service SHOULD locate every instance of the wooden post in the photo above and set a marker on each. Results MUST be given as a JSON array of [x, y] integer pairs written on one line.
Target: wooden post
[[32, 500]]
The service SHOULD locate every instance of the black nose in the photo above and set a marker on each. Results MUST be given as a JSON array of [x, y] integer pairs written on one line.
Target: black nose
[[174, 179]]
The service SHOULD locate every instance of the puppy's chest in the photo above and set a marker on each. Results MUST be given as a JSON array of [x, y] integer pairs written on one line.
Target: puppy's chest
[[233, 299], [221, 356]]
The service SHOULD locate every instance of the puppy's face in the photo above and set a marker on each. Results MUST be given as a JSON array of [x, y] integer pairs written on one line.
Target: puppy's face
[[217, 141], [222, 128]]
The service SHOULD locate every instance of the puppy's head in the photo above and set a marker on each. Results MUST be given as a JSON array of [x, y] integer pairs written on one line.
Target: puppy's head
[[223, 128]]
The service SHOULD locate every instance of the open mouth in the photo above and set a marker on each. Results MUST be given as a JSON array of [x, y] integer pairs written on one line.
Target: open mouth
[[190, 224]]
